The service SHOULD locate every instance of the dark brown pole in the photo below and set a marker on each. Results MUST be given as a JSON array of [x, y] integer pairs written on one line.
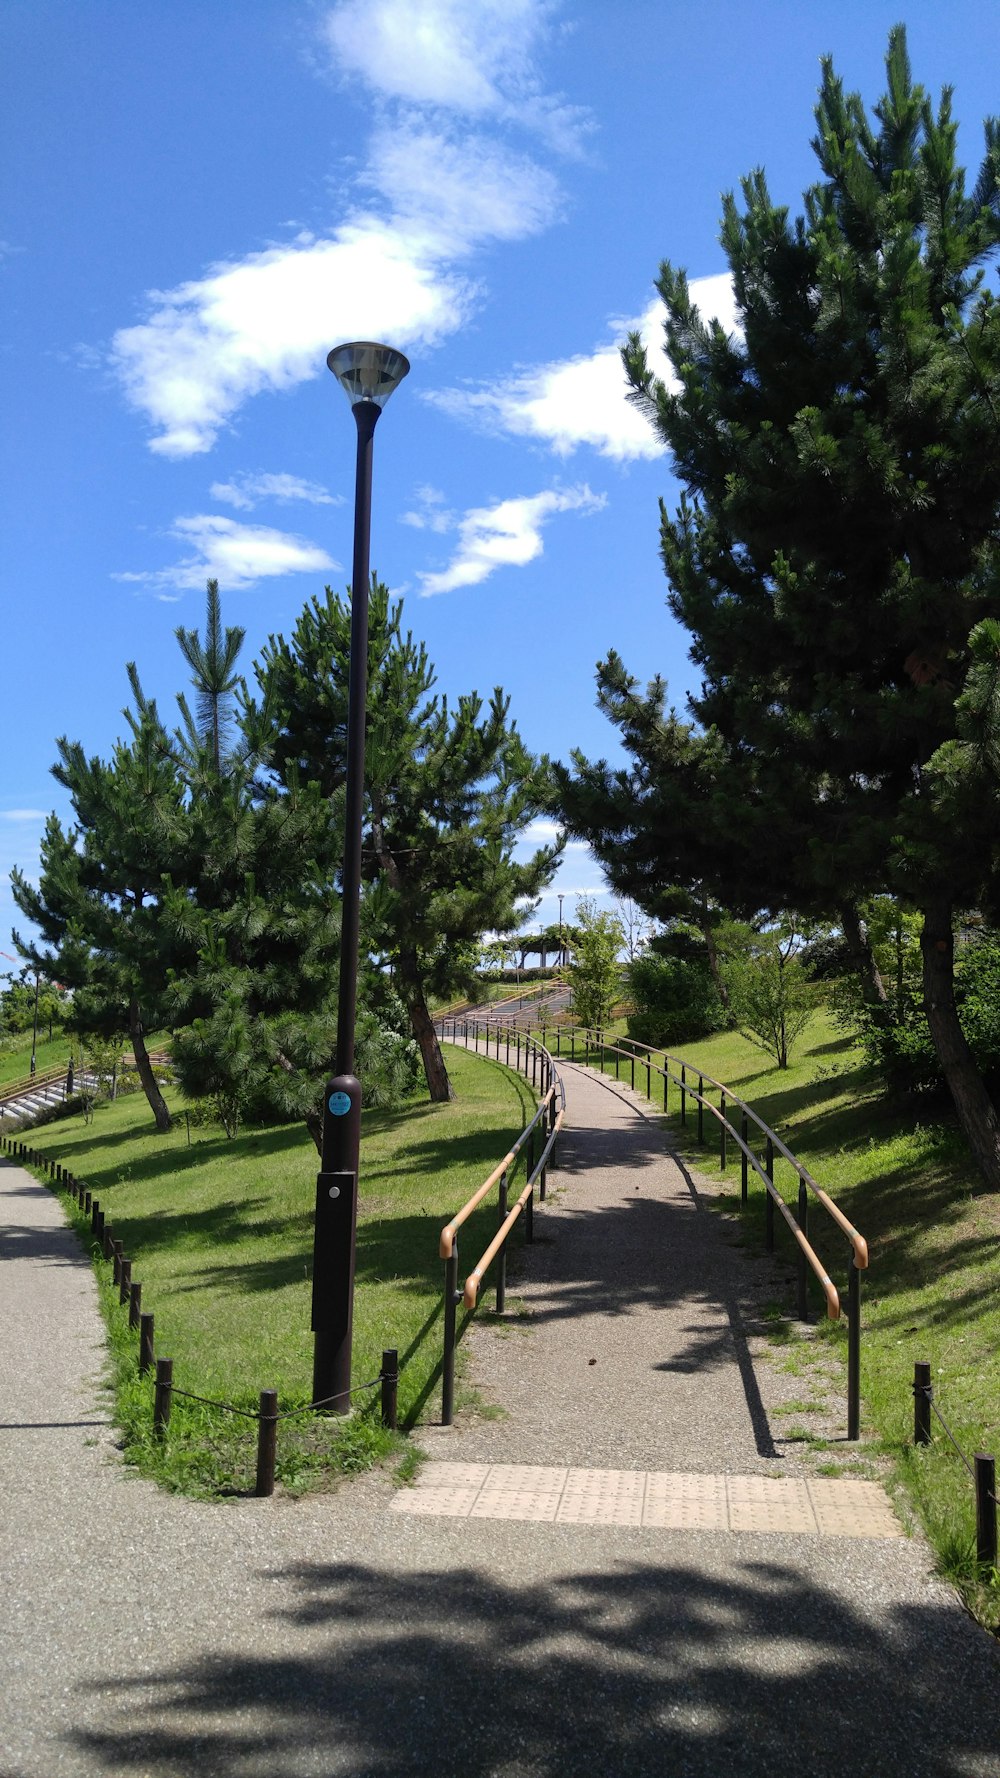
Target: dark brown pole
[[267, 1443], [337, 1184]]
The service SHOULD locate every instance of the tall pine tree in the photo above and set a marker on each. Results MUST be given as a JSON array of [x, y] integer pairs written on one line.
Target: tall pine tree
[[449, 792], [835, 543]]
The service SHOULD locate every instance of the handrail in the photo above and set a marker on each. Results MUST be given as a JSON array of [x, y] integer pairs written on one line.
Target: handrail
[[644, 1053], [450, 1229], [549, 1117], [473, 1281]]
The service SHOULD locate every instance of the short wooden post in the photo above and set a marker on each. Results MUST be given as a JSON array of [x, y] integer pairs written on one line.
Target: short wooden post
[[146, 1355], [161, 1399], [267, 1443], [923, 1395], [390, 1387], [986, 1509], [134, 1305], [125, 1281]]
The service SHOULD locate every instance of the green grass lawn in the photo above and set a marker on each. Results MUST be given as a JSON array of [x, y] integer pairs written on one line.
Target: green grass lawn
[[905, 1179], [220, 1235], [15, 1054]]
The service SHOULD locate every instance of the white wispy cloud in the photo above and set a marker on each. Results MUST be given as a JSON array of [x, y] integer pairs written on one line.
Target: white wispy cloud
[[430, 512], [429, 192], [234, 554], [508, 534], [583, 400], [22, 815], [246, 491], [474, 57]]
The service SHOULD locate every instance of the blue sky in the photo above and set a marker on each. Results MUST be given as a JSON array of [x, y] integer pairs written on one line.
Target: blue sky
[[202, 199]]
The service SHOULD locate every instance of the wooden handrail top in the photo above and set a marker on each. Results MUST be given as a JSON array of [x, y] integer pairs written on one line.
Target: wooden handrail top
[[450, 1230], [471, 1292], [644, 1053]]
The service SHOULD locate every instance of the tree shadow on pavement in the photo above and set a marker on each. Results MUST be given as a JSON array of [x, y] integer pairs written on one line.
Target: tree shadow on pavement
[[649, 1669]]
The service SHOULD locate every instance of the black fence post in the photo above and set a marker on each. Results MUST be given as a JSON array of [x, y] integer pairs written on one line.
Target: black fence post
[[146, 1355], [161, 1400], [923, 1395], [768, 1199], [389, 1375], [684, 1102], [723, 1132], [701, 1108], [744, 1132], [529, 1217], [448, 1366], [986, 1509], [117, 1253], [854, 1352], [125, 1280], [267, 1443], [502, 1255], [649, 1078], [665, 1079], [803, 1278], [134, 1305]]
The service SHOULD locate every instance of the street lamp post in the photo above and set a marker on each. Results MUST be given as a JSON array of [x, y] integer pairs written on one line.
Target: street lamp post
[[368, 373], [562, 958], [34, 1028]]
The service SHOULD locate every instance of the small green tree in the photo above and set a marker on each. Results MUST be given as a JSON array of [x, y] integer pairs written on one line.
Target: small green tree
[[771, 996], [595, 972]]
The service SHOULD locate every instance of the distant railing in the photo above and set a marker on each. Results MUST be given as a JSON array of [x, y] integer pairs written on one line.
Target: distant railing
[[596, 1046], [534, 1061]]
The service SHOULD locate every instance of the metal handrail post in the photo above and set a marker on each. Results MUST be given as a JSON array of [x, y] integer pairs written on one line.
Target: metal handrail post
[[768, 1200], [854, 1352], [502, 1255], [744, 1132], [803, 1281], [451, 1297], [684, 1103], [701, 1108]]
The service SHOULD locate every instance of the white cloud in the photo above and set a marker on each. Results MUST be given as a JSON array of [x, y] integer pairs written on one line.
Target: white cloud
[[233, 554], [508, 534], [583, 400], [474, 57], [391, 268], [22, 815], [430, 513], [245, 491]]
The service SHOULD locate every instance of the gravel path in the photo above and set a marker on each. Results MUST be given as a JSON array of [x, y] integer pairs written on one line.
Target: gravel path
[[147, 1635]]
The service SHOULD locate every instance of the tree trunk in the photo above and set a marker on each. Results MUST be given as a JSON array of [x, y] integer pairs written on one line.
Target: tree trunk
[[863, 960], [713, 956], [438, 1084], [157, 1103], [976, 1112]]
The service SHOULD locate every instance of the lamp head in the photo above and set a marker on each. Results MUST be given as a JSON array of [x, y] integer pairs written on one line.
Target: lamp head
[[367, 371]]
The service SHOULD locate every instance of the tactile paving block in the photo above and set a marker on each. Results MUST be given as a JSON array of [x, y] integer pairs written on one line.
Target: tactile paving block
[[852, 1509], [686, 1502], [758, 1503], [602, 1497], [452, 1475], [545, 1476], [445, 1503], [512, 1503]]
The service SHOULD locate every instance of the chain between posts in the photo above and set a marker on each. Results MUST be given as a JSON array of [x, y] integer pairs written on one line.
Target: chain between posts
[[266, 1414], [982, 1469]]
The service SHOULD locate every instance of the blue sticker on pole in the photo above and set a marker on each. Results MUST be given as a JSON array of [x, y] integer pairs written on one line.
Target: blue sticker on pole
[[340, 1104]]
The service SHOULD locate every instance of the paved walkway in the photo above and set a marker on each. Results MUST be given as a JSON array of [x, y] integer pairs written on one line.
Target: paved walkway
[[143, 1634]]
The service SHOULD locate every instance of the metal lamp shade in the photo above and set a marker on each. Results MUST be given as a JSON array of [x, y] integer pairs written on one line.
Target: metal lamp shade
[[367, 371]]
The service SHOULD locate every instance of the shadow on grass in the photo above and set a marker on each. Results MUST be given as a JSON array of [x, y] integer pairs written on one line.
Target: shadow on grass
[[648, 1669]]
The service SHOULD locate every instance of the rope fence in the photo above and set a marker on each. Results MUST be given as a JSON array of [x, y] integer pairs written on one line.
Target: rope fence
[[266, 1414], [982, 1467]]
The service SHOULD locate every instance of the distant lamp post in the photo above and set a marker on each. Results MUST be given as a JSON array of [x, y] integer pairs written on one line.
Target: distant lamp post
[[368, 373], [562, 955], [34, 1028]]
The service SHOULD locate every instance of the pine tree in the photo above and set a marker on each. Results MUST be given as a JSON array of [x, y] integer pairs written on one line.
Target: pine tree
[[99, 897], [835, 543], [449, 791]]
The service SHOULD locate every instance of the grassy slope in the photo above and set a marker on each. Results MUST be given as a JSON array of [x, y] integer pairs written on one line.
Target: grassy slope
[[907, 1182], [220, 1234]]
